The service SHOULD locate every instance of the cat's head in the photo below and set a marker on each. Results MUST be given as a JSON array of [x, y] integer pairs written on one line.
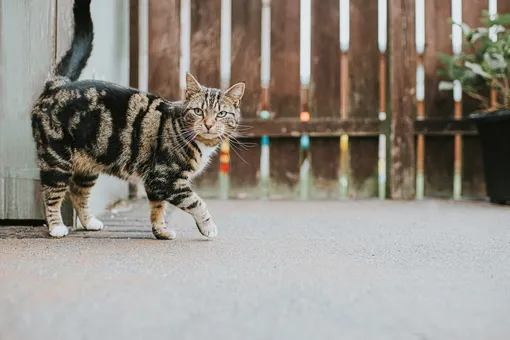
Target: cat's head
[[211, 113]]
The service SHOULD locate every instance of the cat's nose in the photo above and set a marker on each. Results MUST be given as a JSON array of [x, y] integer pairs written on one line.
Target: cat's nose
[[208, 126]]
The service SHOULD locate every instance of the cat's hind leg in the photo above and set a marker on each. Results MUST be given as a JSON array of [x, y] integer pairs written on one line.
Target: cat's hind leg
[[81, 186], [55, 172]]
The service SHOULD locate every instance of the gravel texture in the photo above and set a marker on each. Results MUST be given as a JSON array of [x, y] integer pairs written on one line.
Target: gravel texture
[[278, 270]]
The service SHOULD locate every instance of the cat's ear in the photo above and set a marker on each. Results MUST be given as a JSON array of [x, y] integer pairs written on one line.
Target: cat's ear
[[235, 92], [192, 86]]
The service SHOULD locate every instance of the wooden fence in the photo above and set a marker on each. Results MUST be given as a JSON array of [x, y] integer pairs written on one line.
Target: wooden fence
[[356, 127]]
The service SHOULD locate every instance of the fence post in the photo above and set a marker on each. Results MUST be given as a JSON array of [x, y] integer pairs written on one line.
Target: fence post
[[133, 63], [402, 87]]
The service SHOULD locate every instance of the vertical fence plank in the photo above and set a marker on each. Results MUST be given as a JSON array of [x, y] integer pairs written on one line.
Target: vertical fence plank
[[134, 42], [285, 82], [325, 161], [246, 26], [284, 167], [364, 95], [402, 75], [285, 94], [325, 59], [205, 41], [164, 37], [134, 62], [26, 54], [325, 95], [438, 104], [439, 167], [205, 66], [364, 169], [245, 168], [364, 60], [503, 6], [246, 21]]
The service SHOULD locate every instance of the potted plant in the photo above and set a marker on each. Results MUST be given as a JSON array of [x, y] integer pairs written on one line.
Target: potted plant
[[483, 72]]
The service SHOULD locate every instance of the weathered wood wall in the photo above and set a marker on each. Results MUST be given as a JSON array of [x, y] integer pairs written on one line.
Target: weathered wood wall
[[34, 34], [27, 52]]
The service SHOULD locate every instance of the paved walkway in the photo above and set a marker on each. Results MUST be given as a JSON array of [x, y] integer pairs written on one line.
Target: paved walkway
[[278, 270]]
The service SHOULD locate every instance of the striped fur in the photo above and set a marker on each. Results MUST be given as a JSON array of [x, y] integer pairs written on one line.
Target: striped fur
[[86, 128]]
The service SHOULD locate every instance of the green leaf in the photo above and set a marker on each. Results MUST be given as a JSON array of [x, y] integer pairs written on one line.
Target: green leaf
[[499, 29], [482, 60], [503, 20], [477, 34], [442, 73], [445, 58], [477, 68], [495, 61]]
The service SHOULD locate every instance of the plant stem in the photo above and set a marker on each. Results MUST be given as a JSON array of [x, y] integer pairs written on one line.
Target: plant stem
[[479, 97]]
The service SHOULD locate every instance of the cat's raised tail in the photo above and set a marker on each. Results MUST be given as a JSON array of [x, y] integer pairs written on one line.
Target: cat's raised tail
[[76, 57]]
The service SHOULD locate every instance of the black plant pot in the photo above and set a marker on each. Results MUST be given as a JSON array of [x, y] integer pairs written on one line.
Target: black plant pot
[[494, 131]]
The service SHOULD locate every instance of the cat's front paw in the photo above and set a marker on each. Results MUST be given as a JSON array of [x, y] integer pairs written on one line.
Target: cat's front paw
[[59, 231], [208, 229], [161, 232], [94, 224]]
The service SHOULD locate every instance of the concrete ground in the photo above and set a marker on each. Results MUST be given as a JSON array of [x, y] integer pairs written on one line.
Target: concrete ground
[[278, 270]]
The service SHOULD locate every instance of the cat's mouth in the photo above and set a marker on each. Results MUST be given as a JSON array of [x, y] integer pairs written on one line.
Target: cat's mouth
[[210, 135]]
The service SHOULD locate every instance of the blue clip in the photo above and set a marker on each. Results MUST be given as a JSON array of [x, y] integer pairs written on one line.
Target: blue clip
[[265, 140], [265, 114], [305, 142]]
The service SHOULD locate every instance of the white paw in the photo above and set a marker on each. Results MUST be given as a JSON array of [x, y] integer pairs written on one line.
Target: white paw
[[162, 233], [209, 230], [94, 224], [59, 231]]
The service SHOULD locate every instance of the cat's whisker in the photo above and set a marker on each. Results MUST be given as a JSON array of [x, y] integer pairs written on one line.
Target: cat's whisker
[[236, 136], [237, 153], [234, 148], [241, 134], [244, 145], [185, 142], [232, 137]]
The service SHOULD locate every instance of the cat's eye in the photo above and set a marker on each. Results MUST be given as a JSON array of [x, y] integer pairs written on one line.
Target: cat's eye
[[198, 112], [222, 114]]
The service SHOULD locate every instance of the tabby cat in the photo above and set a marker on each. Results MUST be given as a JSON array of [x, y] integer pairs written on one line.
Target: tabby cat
[[84, 128]]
